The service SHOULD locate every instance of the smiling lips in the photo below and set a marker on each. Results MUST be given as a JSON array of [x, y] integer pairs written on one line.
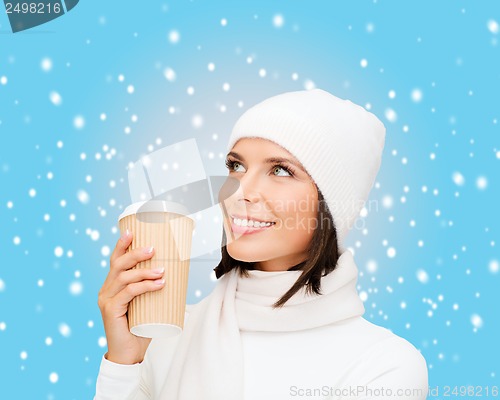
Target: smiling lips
[[248, 226]]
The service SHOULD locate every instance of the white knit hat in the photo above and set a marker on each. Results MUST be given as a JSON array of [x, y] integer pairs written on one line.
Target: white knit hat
[[339, 144]]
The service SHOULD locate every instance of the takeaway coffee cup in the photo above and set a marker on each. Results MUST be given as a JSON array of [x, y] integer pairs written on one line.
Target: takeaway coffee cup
[[165, 226]]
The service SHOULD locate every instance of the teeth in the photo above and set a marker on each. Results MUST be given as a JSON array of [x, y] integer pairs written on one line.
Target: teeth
[[255, 224]]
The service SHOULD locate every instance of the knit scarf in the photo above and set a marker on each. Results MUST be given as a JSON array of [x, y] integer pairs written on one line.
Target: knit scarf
[[208, 362]]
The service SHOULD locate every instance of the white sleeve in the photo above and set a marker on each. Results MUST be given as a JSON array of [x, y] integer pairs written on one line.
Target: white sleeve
[[406, 381], [120, 382], [140, 381], [394, 369]]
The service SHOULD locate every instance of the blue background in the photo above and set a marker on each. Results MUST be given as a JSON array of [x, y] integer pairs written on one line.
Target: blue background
[[63, 167]]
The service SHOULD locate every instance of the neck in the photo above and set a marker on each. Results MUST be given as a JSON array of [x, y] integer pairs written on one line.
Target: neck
[[278, 264]]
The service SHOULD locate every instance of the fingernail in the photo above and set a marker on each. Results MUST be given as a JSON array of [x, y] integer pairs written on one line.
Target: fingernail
[[148, 250], [125, 235], [160, 281], [158, 270]]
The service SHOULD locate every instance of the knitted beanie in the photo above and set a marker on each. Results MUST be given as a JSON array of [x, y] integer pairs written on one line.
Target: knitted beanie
[[339, 144]]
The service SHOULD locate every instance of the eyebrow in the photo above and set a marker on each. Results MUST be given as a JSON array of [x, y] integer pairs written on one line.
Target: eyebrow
[[270, 160]]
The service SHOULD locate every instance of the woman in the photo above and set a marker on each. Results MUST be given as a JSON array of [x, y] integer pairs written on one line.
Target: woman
[[284, 320]]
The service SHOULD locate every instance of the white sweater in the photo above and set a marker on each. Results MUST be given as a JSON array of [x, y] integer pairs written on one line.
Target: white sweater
[[341, 355], [350, 358]]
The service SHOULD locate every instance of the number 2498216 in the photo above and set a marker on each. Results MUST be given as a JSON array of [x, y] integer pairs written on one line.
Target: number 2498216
[[33, 8]]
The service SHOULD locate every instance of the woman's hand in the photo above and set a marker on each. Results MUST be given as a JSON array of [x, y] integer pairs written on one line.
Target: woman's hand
[[121, 285]]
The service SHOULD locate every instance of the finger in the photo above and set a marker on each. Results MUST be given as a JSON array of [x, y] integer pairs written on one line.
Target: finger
[[125, 278], [126, 295], [121, 245], [132, 258]]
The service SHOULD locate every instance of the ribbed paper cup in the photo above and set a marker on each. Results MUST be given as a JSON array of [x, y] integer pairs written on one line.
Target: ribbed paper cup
[[164, 226]]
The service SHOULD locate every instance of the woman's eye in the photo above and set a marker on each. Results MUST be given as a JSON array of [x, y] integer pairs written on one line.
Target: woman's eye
[[236, 165], [232, 165], [277, 168]]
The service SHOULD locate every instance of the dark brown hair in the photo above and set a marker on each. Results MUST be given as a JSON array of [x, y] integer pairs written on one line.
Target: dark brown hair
[[322, 250]]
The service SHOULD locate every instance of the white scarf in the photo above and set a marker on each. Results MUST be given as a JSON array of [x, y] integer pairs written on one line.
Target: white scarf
[[208, 362]]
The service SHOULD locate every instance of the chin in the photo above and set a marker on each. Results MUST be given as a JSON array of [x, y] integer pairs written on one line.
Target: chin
[[243, 253]]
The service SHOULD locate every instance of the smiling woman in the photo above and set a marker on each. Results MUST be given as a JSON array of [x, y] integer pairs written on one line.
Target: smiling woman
[[284, 320], [271, 190], [265, 190]]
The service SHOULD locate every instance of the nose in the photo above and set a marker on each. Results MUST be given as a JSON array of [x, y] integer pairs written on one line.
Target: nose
[[250, 188], [245, 188]]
